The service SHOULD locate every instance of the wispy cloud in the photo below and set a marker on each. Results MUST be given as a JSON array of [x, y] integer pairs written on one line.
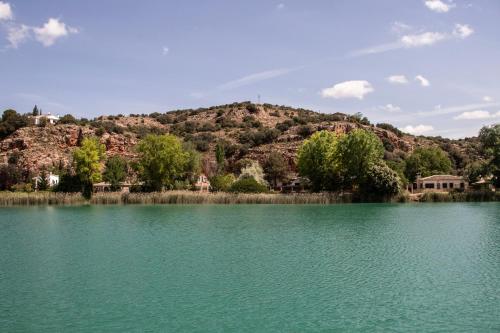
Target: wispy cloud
[[421, 39], [457, 109], [256, 77], [422, 80], [165, 50], [477, 115], [397, 79]]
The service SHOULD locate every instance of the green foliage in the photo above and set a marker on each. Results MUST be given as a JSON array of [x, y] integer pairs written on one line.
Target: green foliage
[[162, 161], [305, 131], [220, 156], [426, 162], [87, 159], [489, 136], [222, 183], [391, 128], [67, 119], [357, 152], [43, 183], [68, 183], [255, 171], [381, 182], [247, 185], [259, 137], [475, 170], [276, 168], [115, 171], [9, 176], [193, 164], [11, 121], [35, 111], [314, 159]]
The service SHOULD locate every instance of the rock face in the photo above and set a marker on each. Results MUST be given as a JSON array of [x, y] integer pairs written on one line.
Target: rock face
[[51, 147]]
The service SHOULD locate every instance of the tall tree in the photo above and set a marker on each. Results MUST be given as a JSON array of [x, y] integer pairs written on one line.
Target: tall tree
[[42, 183], [357, 152], [276, 168], [314, 159], [489, 136], [426, 162], [115, 172], [87, 161], [35, 111], [220, 156], [162, 160]]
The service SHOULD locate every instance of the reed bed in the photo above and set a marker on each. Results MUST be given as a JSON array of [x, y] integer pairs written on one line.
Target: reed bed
[[188, 197], [476, 196], [170, 197]]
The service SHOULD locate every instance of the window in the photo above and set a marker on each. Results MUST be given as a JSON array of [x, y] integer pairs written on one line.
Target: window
[[445, 185], [429, 185], [462, 185], [451, 185]]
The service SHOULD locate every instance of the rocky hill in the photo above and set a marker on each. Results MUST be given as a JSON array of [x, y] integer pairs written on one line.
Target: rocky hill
[[247, 130]]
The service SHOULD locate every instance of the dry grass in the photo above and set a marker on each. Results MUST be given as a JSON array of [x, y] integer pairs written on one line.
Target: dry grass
[[171, 197]]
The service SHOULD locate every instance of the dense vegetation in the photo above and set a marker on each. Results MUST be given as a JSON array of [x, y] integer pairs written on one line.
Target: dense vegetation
[[245, 148]]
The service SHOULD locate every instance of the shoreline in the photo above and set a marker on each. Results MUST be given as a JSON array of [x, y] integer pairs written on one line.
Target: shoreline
[[9, 199]]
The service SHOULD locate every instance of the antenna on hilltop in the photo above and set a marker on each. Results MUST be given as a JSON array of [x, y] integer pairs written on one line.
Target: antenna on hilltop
[[258, 99]]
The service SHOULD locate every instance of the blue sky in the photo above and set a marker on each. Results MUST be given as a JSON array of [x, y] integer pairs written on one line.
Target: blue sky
[[428, 66]]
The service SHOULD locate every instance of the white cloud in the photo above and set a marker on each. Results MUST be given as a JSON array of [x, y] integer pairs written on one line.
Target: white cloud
[[417, 130], [462, 31], [348, 89], [439, 6], [397, 79], [478, 114], [399, 27], [165, 50], [390, 108], [17, 35], [51, 31], [5, 11], [456, 109], [487, 99], [280, 6], [423, 39], [257, 77], [422, 80]]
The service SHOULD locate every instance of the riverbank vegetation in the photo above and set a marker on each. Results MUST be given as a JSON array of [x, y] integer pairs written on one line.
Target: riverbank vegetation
[[306, 152]]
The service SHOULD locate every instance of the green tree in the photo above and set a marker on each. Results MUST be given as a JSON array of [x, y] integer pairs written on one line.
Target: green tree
[[247, 185], [67, 119], [475, 170], [193, 164], [426, 162], [35, 111], [87, 161], [276, 168], [162, 160], [222, 183], [43, 183], [357, 152], [115, 171], [11, 121], [315, 158], [255, 171], [220, 156], [380, 182], [489, 136]]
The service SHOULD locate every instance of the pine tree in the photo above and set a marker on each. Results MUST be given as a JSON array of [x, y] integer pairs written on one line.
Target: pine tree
[[43, 183], [35, 111]]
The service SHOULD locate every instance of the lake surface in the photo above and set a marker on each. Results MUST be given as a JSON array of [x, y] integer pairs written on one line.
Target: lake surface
[[251, 268]]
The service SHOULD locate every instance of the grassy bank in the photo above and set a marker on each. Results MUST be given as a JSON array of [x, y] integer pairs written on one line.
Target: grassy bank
[[171, 197], [188, 197], [475, 196]]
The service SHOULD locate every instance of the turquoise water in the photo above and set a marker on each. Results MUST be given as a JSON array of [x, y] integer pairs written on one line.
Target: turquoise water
[[356, 268]]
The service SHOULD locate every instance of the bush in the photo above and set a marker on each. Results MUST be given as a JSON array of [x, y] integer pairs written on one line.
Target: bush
[[247, 185], [252, 108], [222, 182], [259, 137], [67, 119], [390, 128], [284, 126], [305, 131]]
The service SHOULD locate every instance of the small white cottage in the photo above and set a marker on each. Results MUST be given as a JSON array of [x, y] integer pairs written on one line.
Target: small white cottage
[[52, 180]]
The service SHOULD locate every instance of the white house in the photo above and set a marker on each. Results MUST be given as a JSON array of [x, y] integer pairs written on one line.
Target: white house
[[439, 183], [52, 180], [51, 119]]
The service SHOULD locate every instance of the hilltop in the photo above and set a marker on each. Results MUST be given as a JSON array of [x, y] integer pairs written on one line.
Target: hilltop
[[249, 131]]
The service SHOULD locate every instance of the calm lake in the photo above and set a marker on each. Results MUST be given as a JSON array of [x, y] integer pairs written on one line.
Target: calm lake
[[253, 268]]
